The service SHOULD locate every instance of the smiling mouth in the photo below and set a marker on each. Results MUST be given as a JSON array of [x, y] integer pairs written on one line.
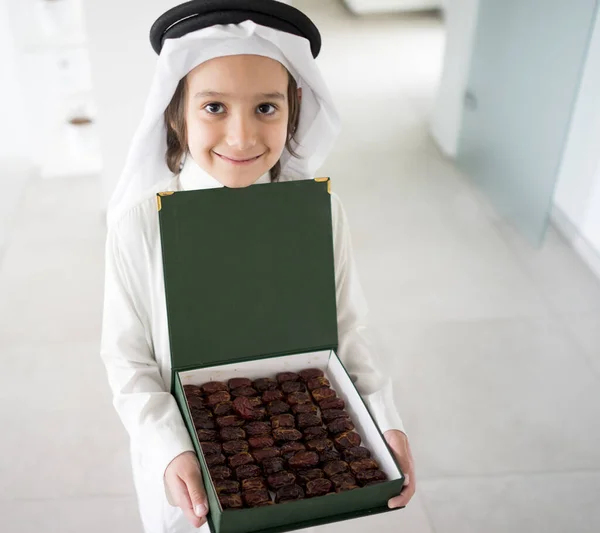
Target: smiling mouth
[[236, 161]]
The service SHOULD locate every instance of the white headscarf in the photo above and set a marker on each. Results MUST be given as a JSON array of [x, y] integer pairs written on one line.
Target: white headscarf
[[319, 122]]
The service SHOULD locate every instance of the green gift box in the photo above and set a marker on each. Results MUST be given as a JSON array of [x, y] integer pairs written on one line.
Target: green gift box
[[250, 290]]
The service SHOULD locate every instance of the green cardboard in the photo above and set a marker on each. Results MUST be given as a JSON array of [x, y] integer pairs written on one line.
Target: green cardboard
[[248, 272]]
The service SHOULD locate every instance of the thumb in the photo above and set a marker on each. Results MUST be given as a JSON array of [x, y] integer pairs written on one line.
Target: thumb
[[197, 493]]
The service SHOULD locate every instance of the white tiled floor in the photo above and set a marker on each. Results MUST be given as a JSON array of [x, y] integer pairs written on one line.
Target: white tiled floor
[[494, 346]]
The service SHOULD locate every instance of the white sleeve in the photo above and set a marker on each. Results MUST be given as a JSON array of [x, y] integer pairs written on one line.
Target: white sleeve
[[144, 404], [353, 344]]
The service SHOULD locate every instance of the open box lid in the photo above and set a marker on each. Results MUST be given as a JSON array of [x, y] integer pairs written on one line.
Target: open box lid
[[248, 272]]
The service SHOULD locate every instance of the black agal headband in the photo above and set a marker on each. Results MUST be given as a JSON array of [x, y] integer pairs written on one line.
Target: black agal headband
[[199, 14]]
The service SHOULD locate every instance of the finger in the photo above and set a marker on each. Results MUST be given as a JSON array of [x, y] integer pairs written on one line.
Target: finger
[[197, 494], [405, 495], [182, 500], [402, 500]]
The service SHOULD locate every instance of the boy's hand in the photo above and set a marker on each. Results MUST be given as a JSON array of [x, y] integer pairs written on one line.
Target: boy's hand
[[184, 481], [398, 442]]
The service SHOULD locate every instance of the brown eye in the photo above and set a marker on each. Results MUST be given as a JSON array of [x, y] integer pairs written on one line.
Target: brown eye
[[214, 108], [266, 109]]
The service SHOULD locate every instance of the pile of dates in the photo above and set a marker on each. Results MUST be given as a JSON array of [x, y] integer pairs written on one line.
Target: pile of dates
[[275, 440]]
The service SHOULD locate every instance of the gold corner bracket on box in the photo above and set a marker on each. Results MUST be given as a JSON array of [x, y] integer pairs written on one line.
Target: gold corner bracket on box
[[320, 180], [158, 198]]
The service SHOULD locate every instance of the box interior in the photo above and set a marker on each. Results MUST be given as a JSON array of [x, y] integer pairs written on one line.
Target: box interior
[[327, 361]]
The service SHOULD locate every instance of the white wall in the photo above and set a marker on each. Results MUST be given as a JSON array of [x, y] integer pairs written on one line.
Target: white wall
[[13, 139], [122, 67], [461, 19], [577, 197], [387, 6]]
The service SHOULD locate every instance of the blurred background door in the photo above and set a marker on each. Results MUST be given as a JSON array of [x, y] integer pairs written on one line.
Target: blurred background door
[[523, 80]]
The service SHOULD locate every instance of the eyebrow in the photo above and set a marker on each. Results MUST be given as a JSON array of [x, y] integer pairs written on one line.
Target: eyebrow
[[214, 94]]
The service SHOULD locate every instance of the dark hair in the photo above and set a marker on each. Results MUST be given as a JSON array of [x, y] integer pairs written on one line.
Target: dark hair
[[177, 143]]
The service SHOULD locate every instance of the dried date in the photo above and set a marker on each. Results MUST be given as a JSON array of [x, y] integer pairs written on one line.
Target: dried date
[[304, 476], [277, 407], [319, 445], [349, 439], [322, 394], [192, 390], [235, 383], [230, 421], [240, 459], [317, 383], [333, 414], [306, 420], [339, 425], [262, 454], [273, 465], [344, 482], [286, 434], [204, 422], [256, 429], [329, 455], [302, 408], [289, 493], [255, 401], [356, 453], [264, 384], [210, 447], [262, 441], [247, 471], [201, 412], [232, 433], [206, 435], [369, 476], [335, 467], [311, 373], [243, 391], [231, 447], [227, 486], [318, 487], [304, 460], [271, 395], [332, 403], [260, 413], [290, 448], [298, 397], [282, 421], [220, 473], [243, 408], [282, 377], [281, 479], [293, 386], [218, 397], [315, 432], [197, 403], [213, 386], [231, 501], [223, 408], [254, 483], [214, 459], [362, 465], [254, 498]]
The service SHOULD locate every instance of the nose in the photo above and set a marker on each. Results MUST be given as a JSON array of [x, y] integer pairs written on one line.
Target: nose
[[242, 132]]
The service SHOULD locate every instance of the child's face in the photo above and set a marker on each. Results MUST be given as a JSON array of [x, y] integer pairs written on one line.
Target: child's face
[[237, 116]]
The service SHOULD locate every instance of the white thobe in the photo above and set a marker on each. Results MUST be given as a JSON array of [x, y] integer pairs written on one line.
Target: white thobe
[[135, 345]]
